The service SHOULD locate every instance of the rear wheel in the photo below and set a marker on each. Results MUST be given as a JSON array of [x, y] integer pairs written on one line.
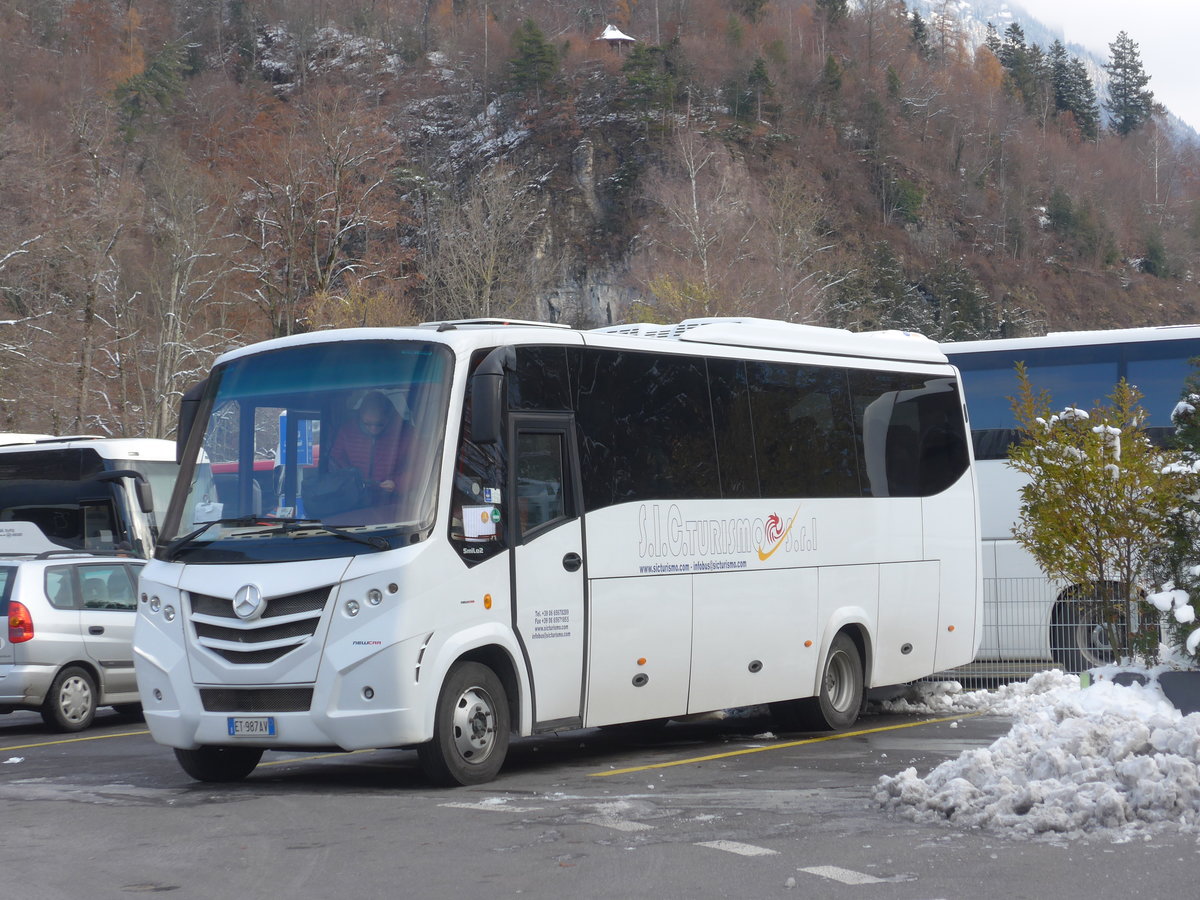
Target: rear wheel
[[219, 764], [71, 701], [470, 728], [1078, 638], [839, 697]]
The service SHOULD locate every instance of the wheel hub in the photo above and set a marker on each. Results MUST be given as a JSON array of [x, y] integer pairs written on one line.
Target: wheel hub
[[474, 725]]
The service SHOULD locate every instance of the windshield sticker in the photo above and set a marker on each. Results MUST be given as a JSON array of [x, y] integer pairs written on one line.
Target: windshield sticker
[[479, 522]]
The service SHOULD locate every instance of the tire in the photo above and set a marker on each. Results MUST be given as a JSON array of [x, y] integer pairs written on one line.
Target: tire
[[839, 697], [1078, 640], [470, 728], [71, 701], [219, 764]]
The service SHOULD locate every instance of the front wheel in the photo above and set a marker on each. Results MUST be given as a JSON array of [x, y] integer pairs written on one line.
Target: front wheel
[[470, 728], [219, 764], [71, 701]]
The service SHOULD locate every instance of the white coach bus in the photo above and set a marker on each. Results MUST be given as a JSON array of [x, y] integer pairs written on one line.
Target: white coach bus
[[88, 493], [587, 528], [1029, 617]]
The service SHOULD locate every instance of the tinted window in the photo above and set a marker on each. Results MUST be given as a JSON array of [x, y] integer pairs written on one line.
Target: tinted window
[[541, 495], [541, 380], [803, 440], [477, 507], [736, 460], [911, 435], [646, 428]]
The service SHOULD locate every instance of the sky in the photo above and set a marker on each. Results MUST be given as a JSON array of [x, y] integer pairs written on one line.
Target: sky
[[1164, 30], [1107, 762]]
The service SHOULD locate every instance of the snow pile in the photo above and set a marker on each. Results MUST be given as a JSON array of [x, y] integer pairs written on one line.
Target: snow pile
[[1108, 760]]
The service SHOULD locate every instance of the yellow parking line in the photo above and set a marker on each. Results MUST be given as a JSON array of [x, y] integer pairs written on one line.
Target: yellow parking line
[[74, 740], [817, 740]]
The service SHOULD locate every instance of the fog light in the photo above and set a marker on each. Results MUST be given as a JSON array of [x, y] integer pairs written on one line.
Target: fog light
[[169, 613], [155, 604], [144, 598], [374, 596], [157, 694], [368, 693], [352, 607]]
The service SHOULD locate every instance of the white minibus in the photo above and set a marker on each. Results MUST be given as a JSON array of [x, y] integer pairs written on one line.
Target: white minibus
[[473, 531]]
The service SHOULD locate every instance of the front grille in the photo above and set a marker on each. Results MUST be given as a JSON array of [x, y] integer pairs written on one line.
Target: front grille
[[256, 700], [222, 607], [257, 636], [286, 624]]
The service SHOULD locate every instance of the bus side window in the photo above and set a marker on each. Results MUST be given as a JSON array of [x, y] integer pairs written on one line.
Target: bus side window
[[540, 495]]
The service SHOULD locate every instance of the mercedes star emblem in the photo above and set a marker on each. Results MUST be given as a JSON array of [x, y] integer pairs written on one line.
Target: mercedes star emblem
[[248, 602]]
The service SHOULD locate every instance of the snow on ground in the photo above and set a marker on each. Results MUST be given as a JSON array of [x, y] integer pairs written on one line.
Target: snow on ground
[[1108, 761]]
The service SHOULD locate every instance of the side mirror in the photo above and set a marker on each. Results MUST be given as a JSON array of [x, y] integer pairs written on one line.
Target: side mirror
[[189, 405], [488, 397], [141, 486]]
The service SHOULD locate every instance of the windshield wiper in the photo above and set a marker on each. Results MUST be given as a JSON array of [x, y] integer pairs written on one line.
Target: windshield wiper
[[288, 526], [284, 525], [243, 521]]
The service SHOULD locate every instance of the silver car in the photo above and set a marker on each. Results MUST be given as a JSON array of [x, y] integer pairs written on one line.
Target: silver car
[[67, 648]]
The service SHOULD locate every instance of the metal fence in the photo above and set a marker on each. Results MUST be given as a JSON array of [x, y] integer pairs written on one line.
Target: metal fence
[[1031, 625]]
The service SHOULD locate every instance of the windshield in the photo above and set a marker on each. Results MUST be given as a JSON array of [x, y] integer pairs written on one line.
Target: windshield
[[346, 435]]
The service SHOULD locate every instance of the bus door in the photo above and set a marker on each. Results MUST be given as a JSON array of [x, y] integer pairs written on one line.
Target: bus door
[[549, 604]]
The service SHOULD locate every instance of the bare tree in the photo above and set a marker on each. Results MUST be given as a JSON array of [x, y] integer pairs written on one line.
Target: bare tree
[[692, 250], [315, 208], [486, 255], [184, 321]]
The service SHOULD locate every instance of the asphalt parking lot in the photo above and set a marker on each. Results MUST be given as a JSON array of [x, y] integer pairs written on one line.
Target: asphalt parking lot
[[713, 808]]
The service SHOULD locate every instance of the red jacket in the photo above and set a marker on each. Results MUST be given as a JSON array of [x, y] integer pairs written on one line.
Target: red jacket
[[378, 458]]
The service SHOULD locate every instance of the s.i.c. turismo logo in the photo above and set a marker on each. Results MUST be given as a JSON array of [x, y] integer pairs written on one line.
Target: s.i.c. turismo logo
[[666, 533]]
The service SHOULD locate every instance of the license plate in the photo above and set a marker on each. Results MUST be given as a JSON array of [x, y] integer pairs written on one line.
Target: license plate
[[256, 726]]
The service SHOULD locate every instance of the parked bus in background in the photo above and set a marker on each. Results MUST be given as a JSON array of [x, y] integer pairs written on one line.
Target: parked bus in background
[[1028, 616], [582, 528], [88, 493]]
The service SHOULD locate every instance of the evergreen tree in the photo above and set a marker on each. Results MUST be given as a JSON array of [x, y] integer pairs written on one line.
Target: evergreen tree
[[751, 10], [536, 60], [834, 10], [760, 84], [645, 78], [1084, 105], [992, 40], [1060, 75], [1012, 51], [920, 35], [1129, 104], [157, 86]]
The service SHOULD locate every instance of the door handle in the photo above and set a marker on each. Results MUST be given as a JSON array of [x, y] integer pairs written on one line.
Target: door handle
[[572, 561], [95, 629]]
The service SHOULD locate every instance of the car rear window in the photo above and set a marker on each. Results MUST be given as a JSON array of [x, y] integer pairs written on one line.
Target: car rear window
[[7, 574]]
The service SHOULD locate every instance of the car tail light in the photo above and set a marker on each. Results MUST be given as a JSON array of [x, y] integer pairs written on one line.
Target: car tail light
[[20, 623]]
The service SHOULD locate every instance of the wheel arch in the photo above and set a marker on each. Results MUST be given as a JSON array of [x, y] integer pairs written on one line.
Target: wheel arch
[[490, 647], [92, 670], [853, 623]]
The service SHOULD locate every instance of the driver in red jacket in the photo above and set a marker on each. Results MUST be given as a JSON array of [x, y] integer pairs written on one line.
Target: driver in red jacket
[[374, 445]]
